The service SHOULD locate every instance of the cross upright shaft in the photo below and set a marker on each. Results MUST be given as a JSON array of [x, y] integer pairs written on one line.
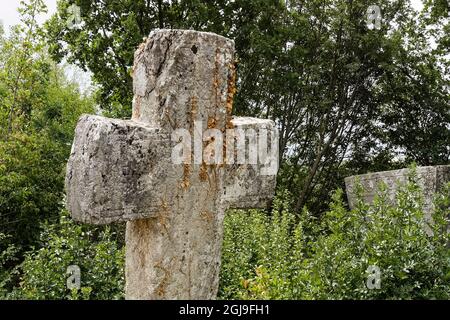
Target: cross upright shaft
[[124, 170]]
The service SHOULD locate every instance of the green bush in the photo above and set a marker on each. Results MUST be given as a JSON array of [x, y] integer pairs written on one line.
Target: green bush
[[8, 253], [282, 256], [270, 256], [94, 250]]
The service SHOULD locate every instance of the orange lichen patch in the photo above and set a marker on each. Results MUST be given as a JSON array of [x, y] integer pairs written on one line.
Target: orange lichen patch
[[231, 92], [225, 150], [216, 80], [187, 171], [231, 89], [141, 228], [163, 215], [225, 158], [212, 123], [204, 172], [193, 113], [161, 289]]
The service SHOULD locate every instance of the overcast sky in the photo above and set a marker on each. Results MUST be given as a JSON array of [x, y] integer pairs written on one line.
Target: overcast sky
[[9, 15]]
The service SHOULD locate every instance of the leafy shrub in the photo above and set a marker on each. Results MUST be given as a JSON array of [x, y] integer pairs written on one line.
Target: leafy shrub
[[282, 256], [272, 256], [7, 257], [94, 250]]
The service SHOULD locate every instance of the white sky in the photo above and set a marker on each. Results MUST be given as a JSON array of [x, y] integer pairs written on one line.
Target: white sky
[[9, 15]]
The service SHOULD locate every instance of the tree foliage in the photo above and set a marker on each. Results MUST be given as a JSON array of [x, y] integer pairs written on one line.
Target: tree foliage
[[284, 257], [38, 113], [95, 251]]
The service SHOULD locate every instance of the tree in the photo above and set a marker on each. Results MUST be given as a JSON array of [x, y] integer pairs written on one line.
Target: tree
[[18, 71], [38, 113], [414, 92]]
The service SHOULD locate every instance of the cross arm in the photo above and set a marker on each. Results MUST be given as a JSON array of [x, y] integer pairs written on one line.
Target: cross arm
[[113, 170], [250, 181]]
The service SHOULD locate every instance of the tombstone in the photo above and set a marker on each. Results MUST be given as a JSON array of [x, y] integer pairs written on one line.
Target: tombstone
[[124, 170], [430, 180]]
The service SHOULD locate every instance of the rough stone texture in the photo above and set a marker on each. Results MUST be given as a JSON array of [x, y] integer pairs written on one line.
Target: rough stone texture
[[252, 185], [113, 172], [430, 179], [122, 170]]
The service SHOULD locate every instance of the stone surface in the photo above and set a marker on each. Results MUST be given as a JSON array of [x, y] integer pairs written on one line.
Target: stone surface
[[251, 185], [122, 170], [114, 170], [430, 179]]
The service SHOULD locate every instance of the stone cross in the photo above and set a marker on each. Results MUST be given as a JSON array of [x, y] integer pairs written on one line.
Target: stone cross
[[125, 170]]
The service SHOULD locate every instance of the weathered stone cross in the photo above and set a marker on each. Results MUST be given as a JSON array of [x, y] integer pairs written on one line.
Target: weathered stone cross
[[124, 170]]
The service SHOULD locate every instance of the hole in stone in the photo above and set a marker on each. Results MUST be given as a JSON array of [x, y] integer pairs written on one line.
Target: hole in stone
[[194, 49]]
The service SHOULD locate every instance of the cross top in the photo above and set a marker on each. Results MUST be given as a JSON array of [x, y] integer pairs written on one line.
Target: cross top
[[182, 77], [184, 83]]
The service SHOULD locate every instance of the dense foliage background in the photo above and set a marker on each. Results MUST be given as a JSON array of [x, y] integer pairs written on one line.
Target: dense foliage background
[[286, 256], [347, 100]]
